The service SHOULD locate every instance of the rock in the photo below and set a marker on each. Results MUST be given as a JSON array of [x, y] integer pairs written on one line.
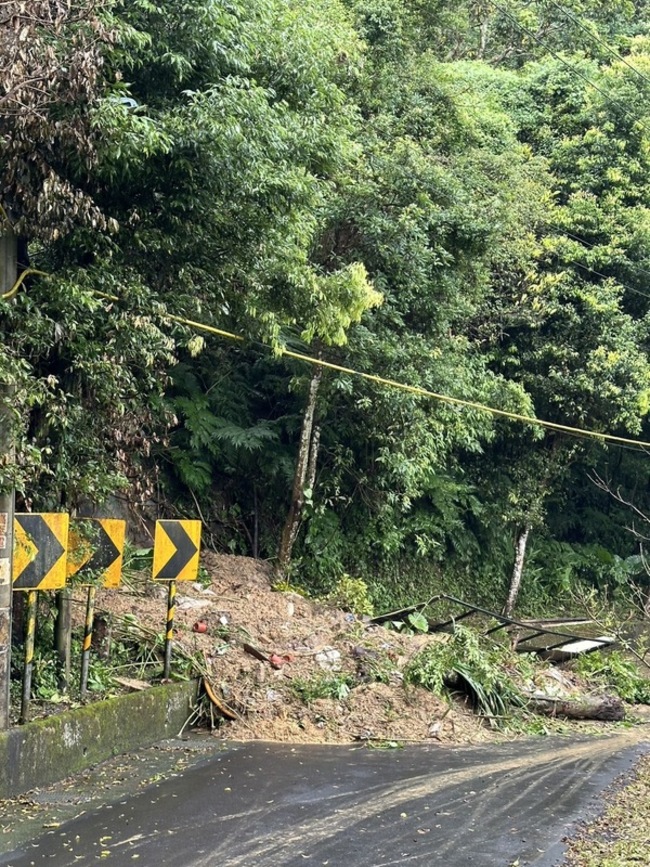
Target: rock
[[329, 659]]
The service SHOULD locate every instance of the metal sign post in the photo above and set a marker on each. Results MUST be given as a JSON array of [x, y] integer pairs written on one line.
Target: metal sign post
[[95, 559], [88, 639], [30, 632], [169, 631], [39, 563], [6, 544], [175, 558]]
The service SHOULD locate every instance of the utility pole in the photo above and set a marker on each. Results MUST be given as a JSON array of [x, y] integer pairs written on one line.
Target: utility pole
[[8, 263]]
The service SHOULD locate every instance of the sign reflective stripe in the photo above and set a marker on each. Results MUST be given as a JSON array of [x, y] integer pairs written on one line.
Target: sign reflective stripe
[[176, 550], [40, 548]]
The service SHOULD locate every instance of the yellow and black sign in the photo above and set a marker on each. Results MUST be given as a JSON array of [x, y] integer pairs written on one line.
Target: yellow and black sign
[[96, 551], [176, 550], [40, 548]]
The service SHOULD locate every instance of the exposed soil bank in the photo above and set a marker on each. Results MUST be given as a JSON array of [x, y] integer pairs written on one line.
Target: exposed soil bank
[[299, 670]]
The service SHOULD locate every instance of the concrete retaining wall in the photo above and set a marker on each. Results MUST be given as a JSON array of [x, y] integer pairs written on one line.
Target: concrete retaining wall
[[47, 750]]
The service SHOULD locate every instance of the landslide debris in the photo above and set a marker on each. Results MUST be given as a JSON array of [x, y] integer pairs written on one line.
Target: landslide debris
[[319, 675], [281, 667]]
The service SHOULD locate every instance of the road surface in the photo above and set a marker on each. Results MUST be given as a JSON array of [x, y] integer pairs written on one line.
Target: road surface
[[274, 805]]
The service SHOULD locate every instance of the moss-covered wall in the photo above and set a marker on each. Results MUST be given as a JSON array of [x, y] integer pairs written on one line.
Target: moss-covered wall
[[50, 749]]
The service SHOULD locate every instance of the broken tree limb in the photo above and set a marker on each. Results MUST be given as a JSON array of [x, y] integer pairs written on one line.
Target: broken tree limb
[[608, 708], [253, 651], [600, 707], [221, 706]]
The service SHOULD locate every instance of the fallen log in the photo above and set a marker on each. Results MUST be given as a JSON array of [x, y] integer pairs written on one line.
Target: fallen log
[[601, 707], [608, 708]]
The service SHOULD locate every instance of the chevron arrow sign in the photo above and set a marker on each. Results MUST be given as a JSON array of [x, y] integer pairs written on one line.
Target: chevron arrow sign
[[96, 551], [176, 550], [40, 547]]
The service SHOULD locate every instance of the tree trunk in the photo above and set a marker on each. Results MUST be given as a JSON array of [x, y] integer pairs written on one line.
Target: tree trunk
[[517, 571], [8, 254], [305, 468], [602, 707], [313, 460], [484, 31]]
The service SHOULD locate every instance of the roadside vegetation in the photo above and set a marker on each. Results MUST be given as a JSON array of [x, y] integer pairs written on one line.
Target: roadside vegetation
[[619, 837], [429, 194], [451, 196], [278, 665]]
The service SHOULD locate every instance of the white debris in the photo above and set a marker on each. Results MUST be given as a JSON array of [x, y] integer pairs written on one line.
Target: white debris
[[329, 659]]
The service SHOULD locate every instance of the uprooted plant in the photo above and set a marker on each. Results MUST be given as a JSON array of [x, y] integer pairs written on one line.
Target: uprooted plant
[[468, 663]]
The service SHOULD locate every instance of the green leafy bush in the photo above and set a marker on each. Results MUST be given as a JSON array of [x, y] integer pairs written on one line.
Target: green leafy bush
[[615, 671], [469, 662], [351, 594]]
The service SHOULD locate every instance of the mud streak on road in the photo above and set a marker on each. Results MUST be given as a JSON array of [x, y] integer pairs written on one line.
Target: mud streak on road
[[263, 805]]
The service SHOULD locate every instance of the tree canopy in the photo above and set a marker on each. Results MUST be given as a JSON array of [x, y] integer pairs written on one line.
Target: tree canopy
[[452, 196]]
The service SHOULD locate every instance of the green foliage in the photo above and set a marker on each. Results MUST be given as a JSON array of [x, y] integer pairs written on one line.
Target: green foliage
[[484, 670], [418, 622], [45, 675], [613, 670], [136, 560], [415, 623], [351, 594], [235, 115], [420, 190], [287, 587], [101, 677], [322, 686]]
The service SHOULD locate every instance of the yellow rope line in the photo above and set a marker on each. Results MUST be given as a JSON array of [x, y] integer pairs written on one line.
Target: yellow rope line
[[423, 392], [411, 389], [14, 289]]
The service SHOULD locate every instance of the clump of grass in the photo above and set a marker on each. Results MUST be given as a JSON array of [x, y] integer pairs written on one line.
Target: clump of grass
[[337, 686]]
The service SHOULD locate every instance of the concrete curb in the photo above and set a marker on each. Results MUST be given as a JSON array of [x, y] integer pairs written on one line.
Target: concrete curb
[[47, 750]]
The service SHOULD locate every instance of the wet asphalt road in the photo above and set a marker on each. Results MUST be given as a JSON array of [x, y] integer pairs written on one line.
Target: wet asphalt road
[[262, 805]]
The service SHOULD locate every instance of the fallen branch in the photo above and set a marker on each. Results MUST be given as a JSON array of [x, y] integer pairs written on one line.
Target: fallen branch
[[223, 709], [253, 651], [599, 707]]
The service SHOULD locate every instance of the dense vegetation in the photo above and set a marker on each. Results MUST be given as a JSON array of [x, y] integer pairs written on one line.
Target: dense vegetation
[[455, 196]]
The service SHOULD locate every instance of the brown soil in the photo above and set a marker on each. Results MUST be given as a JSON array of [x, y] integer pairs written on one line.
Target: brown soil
[[312, 643]]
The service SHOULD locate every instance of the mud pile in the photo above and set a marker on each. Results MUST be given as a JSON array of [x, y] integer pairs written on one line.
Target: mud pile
[[292, 669]]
